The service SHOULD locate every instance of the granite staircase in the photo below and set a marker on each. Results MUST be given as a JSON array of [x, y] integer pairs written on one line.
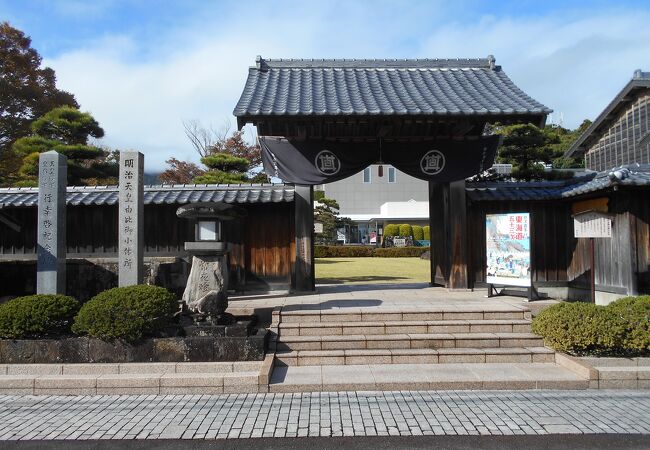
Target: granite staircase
[[352, 336]]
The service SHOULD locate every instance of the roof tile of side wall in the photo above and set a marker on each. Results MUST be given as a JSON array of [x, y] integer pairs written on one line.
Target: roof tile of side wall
[[158, 195]]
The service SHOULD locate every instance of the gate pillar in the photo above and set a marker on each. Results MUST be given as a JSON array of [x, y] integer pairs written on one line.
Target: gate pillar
[[304, 277], [449, 238]]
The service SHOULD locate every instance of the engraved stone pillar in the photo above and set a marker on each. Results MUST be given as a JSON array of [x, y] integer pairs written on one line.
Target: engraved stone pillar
[[131, 219], [51, 252]]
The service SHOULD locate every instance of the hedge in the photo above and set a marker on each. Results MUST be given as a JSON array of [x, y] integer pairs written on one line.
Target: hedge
[[391, 230], [343, 251], [635, 312], [426, 231], [405, 230], [399, 252], [418, 233], [37, 316], [621, 328], [129, 313]]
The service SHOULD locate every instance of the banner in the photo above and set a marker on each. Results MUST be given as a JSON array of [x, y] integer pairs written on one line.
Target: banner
[[508, 249], [317, 162]]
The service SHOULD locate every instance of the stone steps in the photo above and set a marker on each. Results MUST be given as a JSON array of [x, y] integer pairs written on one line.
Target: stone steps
[[405, 326], [415, 356], [132, 378], [375, 315], [407, 341]]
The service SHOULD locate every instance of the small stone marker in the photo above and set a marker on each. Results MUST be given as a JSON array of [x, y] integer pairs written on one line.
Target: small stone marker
[[131, 219], [51, 249]]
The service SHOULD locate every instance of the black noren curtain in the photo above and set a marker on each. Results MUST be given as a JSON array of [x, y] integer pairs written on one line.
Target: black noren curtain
[[317, 162]]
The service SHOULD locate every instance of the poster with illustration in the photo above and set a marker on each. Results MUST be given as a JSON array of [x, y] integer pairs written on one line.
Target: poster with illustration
[[508, 249]]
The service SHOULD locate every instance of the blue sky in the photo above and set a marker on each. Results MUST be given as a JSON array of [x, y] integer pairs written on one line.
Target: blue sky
[[142, 67]]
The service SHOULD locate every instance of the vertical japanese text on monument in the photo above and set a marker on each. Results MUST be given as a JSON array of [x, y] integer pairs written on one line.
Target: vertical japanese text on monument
[[48, 183], [128, 215]]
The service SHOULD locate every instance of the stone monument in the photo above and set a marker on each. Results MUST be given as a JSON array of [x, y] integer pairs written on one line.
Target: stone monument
[[131, 219], [206, 293], [51, 249]]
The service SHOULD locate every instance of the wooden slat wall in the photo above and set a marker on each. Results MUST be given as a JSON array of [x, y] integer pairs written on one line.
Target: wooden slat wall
[[622, 262], [262, 247], [551, 243]]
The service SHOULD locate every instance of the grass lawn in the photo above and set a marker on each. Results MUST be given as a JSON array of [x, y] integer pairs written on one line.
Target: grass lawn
[[372, 270]]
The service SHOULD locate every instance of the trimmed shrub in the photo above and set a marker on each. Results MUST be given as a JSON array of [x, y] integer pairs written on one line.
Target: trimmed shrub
[[635, 314], [341, 251], [37, 316], [418, 233], [400, 252], [426, 231], [391, 230], [128, 313], [405, 230], [580, 328]]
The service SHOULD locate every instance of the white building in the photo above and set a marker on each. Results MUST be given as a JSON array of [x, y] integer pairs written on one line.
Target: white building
[[372, 201]]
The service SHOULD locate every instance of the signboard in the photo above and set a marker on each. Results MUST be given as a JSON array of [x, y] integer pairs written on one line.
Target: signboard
[[399, 242], [508, 249], [592, 224], [318, 227]]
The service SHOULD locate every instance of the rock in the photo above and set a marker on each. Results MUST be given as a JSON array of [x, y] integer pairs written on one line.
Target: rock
[[207, 285], [426, 255]]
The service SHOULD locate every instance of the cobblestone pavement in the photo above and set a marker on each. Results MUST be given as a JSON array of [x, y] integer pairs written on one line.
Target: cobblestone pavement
[[324, 414]]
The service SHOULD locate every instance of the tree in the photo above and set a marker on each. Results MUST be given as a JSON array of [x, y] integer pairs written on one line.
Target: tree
[[27, 91], [66, 130], [560, 140], [327, 213], [524, 146], [228, 158], [207, 141], [224, 168], [180, 172]]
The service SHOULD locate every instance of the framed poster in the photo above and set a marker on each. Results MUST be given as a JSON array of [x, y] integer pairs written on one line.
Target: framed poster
[[507, 243]]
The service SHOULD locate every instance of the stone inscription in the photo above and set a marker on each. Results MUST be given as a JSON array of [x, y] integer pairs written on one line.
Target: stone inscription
[[131, 220], [51, 228]]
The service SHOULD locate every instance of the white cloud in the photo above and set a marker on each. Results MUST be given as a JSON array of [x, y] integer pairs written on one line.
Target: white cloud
[[141, 91]]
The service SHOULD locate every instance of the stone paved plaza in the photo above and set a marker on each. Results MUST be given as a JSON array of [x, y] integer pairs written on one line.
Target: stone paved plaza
[[396, 413]]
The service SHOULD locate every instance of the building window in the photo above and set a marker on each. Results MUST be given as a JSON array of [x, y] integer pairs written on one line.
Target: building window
[[366, 175], [392, 175]]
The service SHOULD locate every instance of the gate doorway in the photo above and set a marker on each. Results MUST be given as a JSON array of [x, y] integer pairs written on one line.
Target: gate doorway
[[319, 121]]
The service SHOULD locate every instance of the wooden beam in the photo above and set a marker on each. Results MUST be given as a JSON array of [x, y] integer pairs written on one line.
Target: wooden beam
[[449, 235], [304, 279]]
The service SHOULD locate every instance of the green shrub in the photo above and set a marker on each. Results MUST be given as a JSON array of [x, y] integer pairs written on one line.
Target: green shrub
[[418, 233], [399, 252], [405, 230], [351, 251], [341, 251], [128, 313], [37, 315], [635, 314], [391, 230], [426, 231], [580, 328]]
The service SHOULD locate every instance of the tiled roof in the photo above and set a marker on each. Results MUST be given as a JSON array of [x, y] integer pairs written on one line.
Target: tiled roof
[[382, 87], [637, 175], [640, 81], [157, 195]]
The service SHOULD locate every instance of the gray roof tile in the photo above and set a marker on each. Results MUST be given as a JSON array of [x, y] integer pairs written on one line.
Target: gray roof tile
[[158, 195], [382, 87], [636, 175]]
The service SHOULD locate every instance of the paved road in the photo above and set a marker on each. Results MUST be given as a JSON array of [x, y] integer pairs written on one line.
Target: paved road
[[443, 413], [559, 442]]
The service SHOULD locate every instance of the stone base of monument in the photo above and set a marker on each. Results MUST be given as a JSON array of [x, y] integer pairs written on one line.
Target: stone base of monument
[[195, 347]]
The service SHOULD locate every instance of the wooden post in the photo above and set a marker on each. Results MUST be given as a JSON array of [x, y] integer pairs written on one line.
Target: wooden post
[[593, 270], [304, 275], [448, 223]]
